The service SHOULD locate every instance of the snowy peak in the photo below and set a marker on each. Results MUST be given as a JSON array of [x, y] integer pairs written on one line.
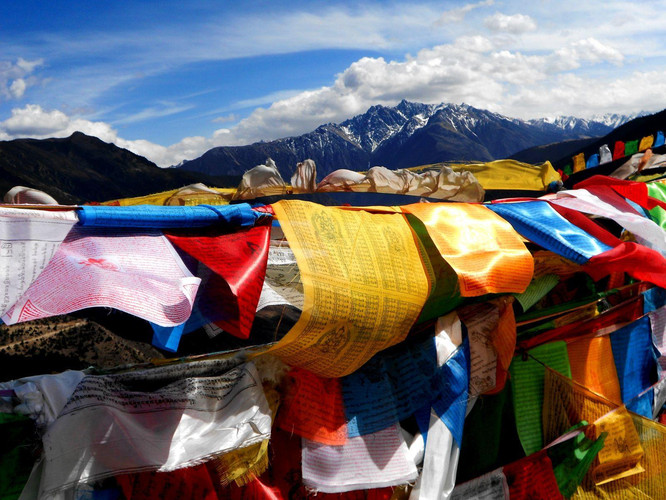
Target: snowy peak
[[380, 123]]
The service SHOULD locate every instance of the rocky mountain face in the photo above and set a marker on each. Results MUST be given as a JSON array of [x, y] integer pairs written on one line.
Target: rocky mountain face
[[406, 135]]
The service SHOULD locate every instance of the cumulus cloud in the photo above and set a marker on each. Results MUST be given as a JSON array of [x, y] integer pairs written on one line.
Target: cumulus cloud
[[474, 69], [16, 77], [515, 24]]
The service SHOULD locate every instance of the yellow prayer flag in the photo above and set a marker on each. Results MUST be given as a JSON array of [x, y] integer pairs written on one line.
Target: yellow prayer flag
[[646, 142], [510, 174], [578, 162], [363, 280]]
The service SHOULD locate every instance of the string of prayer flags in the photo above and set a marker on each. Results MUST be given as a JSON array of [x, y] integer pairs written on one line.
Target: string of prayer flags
[[364, 284], [638, 192], [483, 249], [647, 231], [593, 246], [138, 273], [154, 217]]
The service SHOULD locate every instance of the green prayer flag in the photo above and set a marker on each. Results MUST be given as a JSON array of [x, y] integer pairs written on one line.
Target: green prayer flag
[[527, 378]]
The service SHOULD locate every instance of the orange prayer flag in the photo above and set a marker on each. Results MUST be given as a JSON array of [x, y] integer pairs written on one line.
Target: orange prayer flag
[[483, 249], [592, 365]]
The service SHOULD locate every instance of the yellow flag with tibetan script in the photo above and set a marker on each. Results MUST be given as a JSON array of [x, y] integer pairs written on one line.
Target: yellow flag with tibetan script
[[363, 280]]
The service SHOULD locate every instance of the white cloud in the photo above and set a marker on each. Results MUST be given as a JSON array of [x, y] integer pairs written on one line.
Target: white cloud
[[16, 77], [588, 50], [458, 14], [17, 88], [515, 24]]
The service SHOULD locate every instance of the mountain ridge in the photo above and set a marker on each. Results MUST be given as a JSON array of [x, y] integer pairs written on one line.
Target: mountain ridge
[[405, 135]]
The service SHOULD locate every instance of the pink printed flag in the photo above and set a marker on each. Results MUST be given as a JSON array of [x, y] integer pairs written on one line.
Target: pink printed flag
[[138, 273], [364, 462]]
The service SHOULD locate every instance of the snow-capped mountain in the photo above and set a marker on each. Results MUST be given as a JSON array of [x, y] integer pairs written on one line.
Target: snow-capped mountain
[[614, 120], [406, 135]]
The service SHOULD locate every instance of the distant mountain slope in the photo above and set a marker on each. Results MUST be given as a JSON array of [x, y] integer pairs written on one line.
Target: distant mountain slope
[[548, 152], [406, 135], [80, 169], [634, 129]]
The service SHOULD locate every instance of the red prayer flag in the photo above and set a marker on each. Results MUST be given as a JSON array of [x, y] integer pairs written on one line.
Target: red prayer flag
[[240, 260]]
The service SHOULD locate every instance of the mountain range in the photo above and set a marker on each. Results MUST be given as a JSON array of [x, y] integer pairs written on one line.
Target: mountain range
[[83, 169], [407, 135]]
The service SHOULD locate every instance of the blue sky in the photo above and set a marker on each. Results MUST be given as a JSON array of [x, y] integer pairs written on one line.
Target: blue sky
[[169, 80]]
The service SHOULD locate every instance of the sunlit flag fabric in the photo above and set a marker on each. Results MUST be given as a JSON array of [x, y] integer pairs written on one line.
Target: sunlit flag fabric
[[364, 284], [138, 273], [483, 249], [538, 222], [582, 241]]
